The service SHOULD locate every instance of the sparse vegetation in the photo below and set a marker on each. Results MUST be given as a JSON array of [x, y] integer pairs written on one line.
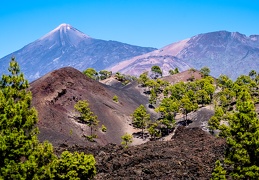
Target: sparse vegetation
[[205, 71], [143, 78], [126, 139], [175, 71], [104, 128], [124, 79], [156, 72], [91, 138], [104, 74], [86, 115], [115, 98], [91, 73], [140, 118]]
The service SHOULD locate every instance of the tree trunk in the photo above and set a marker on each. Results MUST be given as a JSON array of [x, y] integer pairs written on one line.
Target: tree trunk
[[186, 118], [142, 133]]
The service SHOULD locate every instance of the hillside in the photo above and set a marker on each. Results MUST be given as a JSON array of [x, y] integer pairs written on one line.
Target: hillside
[[55, 94], [67, 46], [183, 76], [229, 53]]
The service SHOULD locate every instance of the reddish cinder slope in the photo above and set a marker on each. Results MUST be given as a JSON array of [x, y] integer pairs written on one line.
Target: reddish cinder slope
[[55, 94], [183, 76]]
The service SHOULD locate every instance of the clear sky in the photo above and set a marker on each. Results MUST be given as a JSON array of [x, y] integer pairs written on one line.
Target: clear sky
[[150, 23]]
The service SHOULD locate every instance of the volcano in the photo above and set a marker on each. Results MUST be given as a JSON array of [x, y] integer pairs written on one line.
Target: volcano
[[66, 46]]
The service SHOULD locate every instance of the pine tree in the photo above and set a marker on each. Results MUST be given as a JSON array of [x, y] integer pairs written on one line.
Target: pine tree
[[143, 78], [17, 119], [214, 121], [202, 97], [242, 132], [156, 72], [187, 106], [243, 142], [86, 115], [140, 118], [168, 108], [126, 139], [91, 73], [21, 155], [205, 71]]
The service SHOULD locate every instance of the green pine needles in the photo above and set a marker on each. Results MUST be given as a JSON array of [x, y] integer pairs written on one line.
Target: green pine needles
[[21, 154], [241, 131]]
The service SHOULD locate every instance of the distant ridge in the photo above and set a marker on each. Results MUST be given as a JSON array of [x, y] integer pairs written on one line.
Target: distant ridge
[[67, 46], [224, 52]]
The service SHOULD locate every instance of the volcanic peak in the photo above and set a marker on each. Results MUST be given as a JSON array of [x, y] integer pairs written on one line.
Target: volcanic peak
[[65, 30]]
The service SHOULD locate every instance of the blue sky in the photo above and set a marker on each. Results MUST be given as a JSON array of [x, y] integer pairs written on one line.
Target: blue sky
[[151, 23]]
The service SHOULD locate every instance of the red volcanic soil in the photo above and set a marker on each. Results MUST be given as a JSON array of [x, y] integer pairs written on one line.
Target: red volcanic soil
[[55, 94]]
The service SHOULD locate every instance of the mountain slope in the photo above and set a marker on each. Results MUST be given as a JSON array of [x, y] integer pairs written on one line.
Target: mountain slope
[[229, 53], [165, 58], [67, 46], [55, 94]]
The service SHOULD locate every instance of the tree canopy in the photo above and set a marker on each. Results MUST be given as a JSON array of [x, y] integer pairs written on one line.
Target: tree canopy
[[156, 72], [86, 115], [140, 118], [126, 139], [205, 71], [91, 73]]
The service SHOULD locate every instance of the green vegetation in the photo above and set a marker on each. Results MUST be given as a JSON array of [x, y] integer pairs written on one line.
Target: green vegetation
[[143, 78], [154, 131], [236, 119], [205, 71], [169, 99], [219, 173], [140, 118], [104, 74], [91, 73], [126, 140], [124, 79], [21, 154], [86, 116], [175, 71], [115, 98], [103, 128], [156, 72]]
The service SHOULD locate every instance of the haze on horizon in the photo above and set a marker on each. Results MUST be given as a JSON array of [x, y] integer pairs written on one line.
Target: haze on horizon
[[154, 23]]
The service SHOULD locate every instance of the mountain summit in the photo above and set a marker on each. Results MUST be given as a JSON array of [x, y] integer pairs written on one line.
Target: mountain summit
[[67, 35], [67, 46]]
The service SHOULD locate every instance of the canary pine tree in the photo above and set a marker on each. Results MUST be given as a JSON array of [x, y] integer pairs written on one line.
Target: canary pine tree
[[242, 154], [86, 115], [140, 118], [21, 154], [243, 143]]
